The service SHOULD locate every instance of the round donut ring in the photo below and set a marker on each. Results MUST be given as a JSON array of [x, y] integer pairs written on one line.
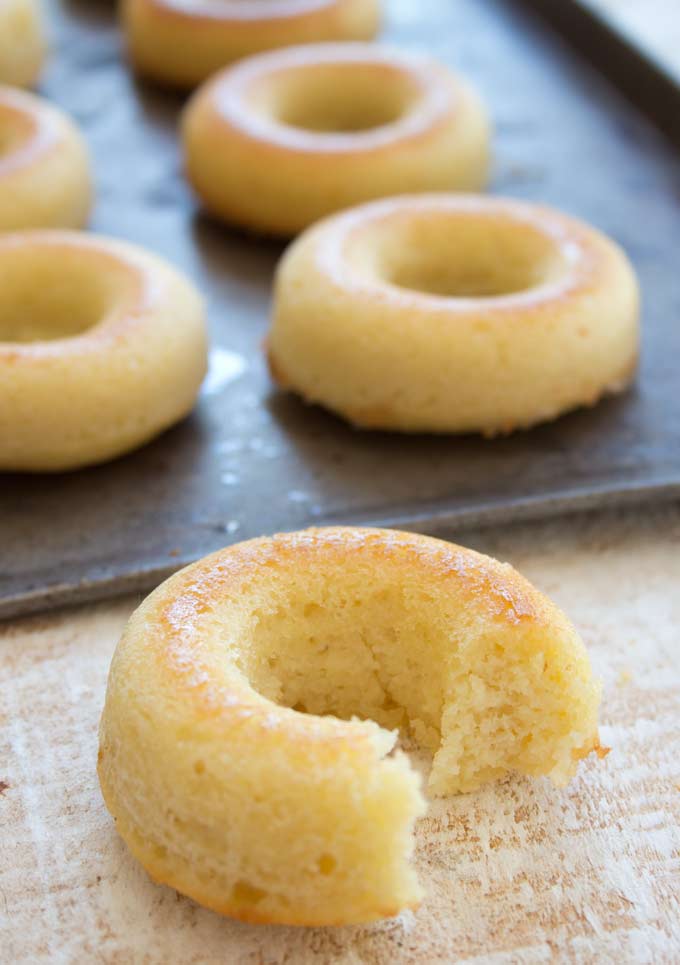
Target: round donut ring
[[287, 137], [182, 42], [447, 313], [229, 785], [44, 166], [22, 42], [102, 346]]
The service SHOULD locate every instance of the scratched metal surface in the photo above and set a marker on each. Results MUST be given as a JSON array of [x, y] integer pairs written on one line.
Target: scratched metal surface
[[251, 460]]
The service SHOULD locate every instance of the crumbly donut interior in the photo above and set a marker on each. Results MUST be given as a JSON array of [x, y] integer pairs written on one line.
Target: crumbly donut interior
[[335, 98], [45, 296], [457, 255], [403, 655]]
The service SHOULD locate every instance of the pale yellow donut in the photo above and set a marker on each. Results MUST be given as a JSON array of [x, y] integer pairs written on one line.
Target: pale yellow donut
[[102, 346], [228, 784], [22, 42], [447, 313], [285, 138], [44, 165], [182, 42]]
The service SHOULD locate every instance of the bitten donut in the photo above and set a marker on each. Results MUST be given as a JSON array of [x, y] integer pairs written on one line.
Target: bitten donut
[[230, 785], [447, 313], [102, 346], [285, 138], [22, 42], [182, 42], [44, 166]]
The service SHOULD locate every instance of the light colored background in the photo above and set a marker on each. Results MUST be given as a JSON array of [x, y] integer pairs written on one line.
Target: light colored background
[[519, 873], [654, 23]]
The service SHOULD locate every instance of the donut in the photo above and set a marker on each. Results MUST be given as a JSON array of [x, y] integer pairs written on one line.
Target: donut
[[102, 347], [44, 166], [247, 742], [182, 42], [287, 137], [450, 313], [22, 42]]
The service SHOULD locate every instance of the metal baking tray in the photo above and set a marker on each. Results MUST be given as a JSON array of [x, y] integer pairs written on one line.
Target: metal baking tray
[[578, 114]]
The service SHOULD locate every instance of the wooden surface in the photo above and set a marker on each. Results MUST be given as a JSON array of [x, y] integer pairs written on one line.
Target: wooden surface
[[521, 872]]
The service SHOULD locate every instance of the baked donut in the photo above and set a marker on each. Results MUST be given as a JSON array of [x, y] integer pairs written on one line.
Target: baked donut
[[230, 785], [44, 166], [181, 42], [285, 138], [102, 347], [22, 42], [447, 313]]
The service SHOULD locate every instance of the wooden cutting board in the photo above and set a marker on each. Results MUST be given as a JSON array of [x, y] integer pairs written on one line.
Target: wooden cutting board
[[520, 872]]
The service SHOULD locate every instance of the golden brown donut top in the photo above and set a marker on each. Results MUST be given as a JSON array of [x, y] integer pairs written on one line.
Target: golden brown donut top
[[137, 290], [434, 97], [581, 249], [33, 129], [181, 613], [246, 12]]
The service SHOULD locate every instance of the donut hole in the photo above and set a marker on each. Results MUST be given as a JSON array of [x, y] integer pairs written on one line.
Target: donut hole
[[52, 293], [400, 653], [339, 98], [459, 255]]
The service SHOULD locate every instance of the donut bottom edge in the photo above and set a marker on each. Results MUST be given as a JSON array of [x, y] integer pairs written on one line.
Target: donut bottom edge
[[302, 812]]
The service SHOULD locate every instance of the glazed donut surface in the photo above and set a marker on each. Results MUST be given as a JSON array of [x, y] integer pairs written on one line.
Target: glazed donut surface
[[182, 42], [285, 138], [102, 346], [447, 313], [45, 177], [224, 776], [22, 42]]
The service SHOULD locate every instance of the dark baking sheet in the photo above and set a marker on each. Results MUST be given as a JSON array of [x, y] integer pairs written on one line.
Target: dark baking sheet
[[252, 461]]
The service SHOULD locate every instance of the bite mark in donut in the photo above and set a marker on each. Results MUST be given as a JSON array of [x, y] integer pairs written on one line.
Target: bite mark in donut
[[248, 737]]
